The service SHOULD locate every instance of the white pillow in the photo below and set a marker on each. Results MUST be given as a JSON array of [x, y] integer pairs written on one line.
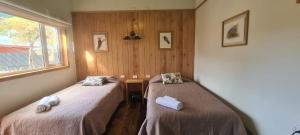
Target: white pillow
[[93, 81]]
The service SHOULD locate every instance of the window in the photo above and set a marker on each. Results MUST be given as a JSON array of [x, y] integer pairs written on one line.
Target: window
[[53, 47], [27, 45]]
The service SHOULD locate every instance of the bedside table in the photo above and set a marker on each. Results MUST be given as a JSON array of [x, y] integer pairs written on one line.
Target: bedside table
[[135, 81]]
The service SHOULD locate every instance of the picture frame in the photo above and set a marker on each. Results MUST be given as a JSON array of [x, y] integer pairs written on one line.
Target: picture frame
[[100, 41], [165, 40], [235, 30]]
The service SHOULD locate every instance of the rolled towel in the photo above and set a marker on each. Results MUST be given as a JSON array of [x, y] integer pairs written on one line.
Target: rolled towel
[[43, 105], [171, 98], [53, 100], [170, 103]]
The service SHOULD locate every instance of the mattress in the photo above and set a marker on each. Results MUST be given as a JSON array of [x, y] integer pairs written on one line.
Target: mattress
[[203, 114], [83, 110]]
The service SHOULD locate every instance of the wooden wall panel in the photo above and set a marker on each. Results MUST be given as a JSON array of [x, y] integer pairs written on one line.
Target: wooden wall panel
[[134, 57]]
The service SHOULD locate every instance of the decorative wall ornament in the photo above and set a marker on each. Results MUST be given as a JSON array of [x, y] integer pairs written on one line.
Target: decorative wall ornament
[[100, 42], [133, 35], [235, 30], [165, 40]]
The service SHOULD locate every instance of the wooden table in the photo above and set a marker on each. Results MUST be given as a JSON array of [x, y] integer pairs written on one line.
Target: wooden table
[[135, 81]]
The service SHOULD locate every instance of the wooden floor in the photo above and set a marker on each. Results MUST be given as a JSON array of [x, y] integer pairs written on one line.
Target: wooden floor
[[127, 119]]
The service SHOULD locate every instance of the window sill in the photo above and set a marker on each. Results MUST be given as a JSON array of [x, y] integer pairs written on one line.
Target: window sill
[[30, 73]]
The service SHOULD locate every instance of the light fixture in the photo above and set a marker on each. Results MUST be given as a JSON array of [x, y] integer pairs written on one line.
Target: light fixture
[[132, 35]]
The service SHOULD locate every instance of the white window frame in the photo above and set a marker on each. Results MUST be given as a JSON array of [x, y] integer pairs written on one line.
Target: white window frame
[[43, 20], [45, 45]]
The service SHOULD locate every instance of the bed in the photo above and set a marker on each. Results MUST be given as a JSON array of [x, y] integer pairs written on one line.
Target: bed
[[83, 110], [203, 114]]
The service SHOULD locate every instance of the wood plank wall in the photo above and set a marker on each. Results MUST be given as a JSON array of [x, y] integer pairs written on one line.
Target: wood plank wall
[[134, 57]]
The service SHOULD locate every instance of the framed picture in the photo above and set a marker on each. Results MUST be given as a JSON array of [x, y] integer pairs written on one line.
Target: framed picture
[[165, 40], [100, 42], [235, 30]]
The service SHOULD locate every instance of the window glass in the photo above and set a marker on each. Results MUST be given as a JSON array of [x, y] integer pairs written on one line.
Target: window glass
[[20, 44], [27, 45], [53, 47]]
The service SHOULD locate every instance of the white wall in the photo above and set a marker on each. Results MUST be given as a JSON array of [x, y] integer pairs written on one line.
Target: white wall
[[261, 79], [17, 93], [198, 2], [100, 5]]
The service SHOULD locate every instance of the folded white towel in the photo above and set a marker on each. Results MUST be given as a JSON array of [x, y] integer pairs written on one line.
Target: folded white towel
[[170, 103], [53, 100], [43, 105], [46, 103], [171, 98]]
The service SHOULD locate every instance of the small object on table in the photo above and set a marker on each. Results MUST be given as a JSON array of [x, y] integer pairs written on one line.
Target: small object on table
[[135, 81]]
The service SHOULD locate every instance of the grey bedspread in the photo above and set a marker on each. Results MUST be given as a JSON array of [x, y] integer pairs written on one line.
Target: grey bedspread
[[83, 110], [203, 114]]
